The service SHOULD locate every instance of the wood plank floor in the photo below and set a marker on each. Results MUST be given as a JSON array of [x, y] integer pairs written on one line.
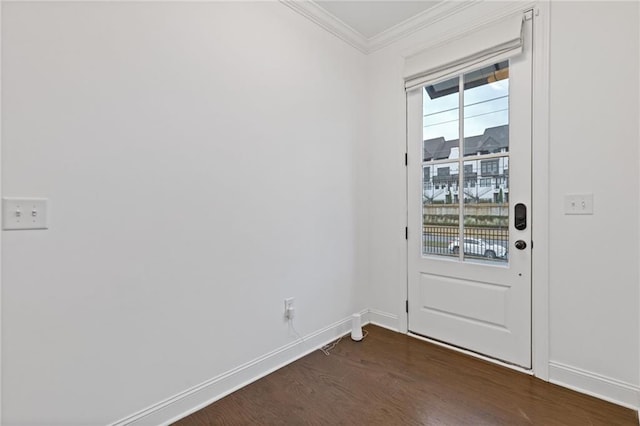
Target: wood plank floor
[[392, 379]]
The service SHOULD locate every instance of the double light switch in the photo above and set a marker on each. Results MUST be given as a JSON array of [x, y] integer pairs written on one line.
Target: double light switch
[[24, 213], [578, 204]]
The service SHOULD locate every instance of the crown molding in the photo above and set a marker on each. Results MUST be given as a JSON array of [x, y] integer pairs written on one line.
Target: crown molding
[[310, 10], [428, 17], [315, 13]]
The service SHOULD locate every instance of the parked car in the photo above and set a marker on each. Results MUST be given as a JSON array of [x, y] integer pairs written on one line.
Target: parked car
[[478, 247]]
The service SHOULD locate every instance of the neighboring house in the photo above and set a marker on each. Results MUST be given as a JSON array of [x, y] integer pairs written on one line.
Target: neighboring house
[[485, 180]]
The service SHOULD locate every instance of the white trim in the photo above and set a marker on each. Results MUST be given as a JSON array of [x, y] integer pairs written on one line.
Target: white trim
[[329, 22], [602, 387], [540, 194], [404, 322], [199, 396], [317, 14], [193, 399], [424, 19], [1, 218], [384, 319]]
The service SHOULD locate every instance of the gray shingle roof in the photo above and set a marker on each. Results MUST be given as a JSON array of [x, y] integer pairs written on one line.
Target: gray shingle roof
[[494, 139]]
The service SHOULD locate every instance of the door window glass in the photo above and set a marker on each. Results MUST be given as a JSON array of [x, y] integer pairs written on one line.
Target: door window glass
[[466, 180], [440, 199]]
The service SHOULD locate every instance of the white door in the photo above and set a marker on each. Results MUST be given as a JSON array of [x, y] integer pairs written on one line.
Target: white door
[[469, 209]]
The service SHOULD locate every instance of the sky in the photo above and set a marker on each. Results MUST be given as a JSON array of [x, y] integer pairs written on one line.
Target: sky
[[485, 106]]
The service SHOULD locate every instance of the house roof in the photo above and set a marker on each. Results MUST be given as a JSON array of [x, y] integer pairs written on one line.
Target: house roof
[[494, 139]]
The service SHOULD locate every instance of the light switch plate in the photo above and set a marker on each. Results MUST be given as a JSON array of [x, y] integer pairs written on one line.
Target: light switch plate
[[24, 213], [578, 204]]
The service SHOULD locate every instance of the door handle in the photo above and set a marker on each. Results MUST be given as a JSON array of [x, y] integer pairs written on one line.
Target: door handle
[[521, 245], [520, 214]]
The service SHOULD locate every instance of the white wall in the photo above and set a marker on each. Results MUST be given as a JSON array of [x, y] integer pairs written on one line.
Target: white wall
[[594, 124], [202, 162], [593, 275]]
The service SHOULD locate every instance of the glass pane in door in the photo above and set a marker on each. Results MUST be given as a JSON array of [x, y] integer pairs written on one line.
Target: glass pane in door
[[486, 164], [486, 209], [440, 209], [440, 168]]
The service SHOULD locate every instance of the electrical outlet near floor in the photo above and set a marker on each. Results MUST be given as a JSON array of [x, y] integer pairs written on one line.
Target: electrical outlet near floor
[[288, 307]]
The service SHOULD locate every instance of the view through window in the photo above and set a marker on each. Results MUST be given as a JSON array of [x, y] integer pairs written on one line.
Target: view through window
[[465, 180]]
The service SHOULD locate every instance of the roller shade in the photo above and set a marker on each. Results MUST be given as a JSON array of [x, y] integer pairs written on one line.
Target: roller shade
[[490, 44]]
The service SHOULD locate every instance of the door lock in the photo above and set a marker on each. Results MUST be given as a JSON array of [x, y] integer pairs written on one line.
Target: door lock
[[521, 245], [520, 217]]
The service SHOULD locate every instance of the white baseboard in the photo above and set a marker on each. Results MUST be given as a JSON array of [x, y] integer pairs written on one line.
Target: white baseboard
[[384, 319], [198, 397], [193, 399], [606, 388]]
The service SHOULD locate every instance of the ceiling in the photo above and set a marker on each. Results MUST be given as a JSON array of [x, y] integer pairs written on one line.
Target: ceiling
[[369, 25], [371, 18]]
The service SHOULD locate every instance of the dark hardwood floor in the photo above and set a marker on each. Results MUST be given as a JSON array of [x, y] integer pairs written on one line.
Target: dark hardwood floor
[[393, 379]]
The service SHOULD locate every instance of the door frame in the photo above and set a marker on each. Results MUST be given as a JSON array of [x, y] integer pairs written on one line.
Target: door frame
[[1, 218], [539, 194]]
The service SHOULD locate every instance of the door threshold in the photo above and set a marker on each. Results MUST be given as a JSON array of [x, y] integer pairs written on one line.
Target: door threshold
[[473, 354]]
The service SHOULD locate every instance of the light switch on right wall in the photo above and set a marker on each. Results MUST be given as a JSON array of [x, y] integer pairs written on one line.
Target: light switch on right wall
[[578, 204]]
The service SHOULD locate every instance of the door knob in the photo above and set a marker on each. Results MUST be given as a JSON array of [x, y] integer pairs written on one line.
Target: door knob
[[521, 245]]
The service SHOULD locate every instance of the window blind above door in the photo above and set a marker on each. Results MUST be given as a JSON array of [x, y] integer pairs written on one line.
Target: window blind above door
[[492, 43]]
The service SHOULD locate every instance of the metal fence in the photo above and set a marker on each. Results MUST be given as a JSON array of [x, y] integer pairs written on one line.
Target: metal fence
[[479, 242]]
